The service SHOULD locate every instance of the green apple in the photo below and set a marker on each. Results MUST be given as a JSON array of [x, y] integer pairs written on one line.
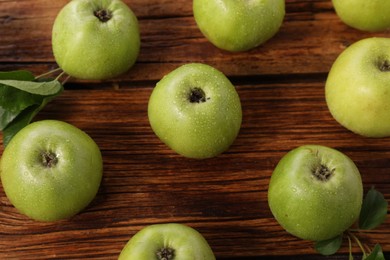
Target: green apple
[[196, 111], [51, 170], [167, 242], [315, 192], [365, 15], [237, 25], [95, 39], [358, 88]]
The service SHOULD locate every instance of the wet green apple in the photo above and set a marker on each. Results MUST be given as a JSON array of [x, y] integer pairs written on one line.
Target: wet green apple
[[237, 25], [95, 39], [315, 192], [167, 242], [51, 170], [364, 15], [196, 111], [358, 87]]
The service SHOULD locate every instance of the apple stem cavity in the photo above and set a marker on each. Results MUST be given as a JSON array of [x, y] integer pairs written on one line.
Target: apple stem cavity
[[165, 253], [49, 159], [103, 15], [197, 95], [322, 172], [384, 66]]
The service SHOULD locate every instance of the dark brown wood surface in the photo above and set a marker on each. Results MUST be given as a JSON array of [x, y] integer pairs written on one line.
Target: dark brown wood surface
[[281, 85]]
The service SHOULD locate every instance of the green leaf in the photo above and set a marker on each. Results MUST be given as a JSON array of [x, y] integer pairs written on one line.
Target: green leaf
[[330, 246], [374, 210], [15, 100], [376, 254], [17, 75], [43, 88], [21, 121], [21, 98]]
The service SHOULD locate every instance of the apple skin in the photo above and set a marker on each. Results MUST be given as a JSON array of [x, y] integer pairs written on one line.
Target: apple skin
[[87, 48], [50, 192], [357, 89], [309, 207], [238, 25], [186, 242], [195, 129], [364, 15]]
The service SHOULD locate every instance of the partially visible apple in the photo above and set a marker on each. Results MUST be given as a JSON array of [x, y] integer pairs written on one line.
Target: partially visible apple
[[95, 39], [196, 111], [315, 192], [364, 15], [51, 170], [238, 25], [167, 242], [358, 87]]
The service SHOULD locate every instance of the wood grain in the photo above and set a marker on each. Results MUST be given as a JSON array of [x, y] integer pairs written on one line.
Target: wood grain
[[281, 86], [308, 42]]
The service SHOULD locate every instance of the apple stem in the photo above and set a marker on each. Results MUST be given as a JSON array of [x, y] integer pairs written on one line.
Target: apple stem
[[103, 15], [197, 95], [165, 253], [385, 66], [49, 159], [322, 172]]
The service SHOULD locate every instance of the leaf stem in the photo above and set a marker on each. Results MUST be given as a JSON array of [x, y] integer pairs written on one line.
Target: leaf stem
[[363, 230], [354, 230], [48, 73], [350, 247], [368, 248], [59, 76], [65, 80], [358, 242]]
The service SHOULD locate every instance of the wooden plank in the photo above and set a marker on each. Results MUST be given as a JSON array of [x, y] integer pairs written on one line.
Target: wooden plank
[[309, 41], [281, 85], [145, 183]]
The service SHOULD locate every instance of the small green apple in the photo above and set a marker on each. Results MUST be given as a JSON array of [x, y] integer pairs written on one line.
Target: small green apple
[[315, 192], [236, 25], [51, 170], [167, 242], [364, 15], [358, 88], [196, 111], [95, 39]]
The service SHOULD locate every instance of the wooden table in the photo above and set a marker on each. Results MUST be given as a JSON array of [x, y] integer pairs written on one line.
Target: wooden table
[[281, 86]]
